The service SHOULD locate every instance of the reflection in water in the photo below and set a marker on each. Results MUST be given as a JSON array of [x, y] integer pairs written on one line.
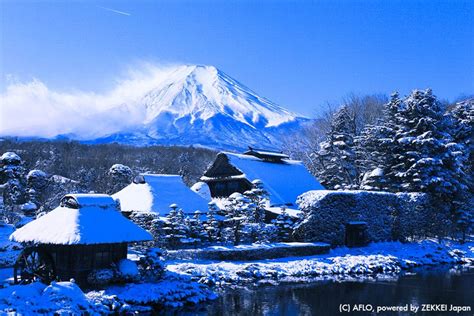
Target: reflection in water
[[439, 286]]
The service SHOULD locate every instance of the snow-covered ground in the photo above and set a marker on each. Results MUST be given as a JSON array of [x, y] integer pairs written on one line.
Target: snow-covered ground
[[68, 299], [9, 250], [377, 258], [179, 287]]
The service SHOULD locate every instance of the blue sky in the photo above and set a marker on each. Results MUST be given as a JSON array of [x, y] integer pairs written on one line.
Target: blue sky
[[297, 54]]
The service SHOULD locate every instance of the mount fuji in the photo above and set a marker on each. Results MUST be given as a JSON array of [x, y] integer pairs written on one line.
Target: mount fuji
[[198, 105]]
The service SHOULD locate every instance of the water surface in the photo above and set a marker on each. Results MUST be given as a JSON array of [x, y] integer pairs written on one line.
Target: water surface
[[442, 285]]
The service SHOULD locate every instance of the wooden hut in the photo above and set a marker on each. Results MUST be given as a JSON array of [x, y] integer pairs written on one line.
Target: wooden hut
[[86, 232], [284, 179]]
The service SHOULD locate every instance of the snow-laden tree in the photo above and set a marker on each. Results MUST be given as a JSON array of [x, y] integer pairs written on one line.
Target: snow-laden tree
[[423, 156], [336, 154], [37, 184], [176, 230], [376, 148], [212, 225], [236, 214], [197, 231], [259, 198], [13, 180], [463, 133], [153, 224], [426, 158], [284, 224], [120, 176]]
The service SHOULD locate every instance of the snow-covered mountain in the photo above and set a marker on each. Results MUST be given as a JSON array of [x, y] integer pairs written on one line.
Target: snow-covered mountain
[[189, 105], [201, 105]]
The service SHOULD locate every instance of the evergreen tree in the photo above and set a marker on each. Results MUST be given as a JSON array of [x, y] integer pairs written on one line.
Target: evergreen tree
[[196, 229], [463, 133], [176, 231], [427, 159], [336, 155], [284, 224], [13, 178], [37, 183], [120, 176], [212, 224], [259, 199], [376, 148]]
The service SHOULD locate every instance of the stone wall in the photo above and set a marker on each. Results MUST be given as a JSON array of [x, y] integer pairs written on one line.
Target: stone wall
[[389, 216]]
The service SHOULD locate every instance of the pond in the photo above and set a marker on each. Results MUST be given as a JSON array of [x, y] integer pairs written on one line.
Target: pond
[[443, 287]]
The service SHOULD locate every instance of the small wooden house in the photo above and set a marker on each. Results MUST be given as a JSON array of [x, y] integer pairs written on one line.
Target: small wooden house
[[284, 179], [86, 232]]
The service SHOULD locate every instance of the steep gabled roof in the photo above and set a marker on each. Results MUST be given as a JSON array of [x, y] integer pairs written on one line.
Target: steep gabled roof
[[157, 192], [284, 181], [82, 219]]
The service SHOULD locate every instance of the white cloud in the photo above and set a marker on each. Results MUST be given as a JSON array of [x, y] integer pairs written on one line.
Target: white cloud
[[33, 109]]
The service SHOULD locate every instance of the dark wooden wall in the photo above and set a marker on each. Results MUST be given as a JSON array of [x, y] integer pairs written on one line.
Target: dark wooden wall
[[77, 261]]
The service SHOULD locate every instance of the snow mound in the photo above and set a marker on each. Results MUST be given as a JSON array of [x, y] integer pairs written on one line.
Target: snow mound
[[64, 298], [128, 268]]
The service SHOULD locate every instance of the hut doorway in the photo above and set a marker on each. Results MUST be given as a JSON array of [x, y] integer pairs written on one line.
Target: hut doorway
[[356, 234]]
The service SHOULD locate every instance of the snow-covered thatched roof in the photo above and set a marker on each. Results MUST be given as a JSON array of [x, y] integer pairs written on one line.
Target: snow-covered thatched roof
[[284, 181], [82, 219], [156, 192]]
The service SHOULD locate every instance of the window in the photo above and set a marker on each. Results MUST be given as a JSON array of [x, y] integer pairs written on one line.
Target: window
[[102, 259]]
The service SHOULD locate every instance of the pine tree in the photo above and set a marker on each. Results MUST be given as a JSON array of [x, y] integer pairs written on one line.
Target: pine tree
[[120, 176], [336, 154], [176, 230], [426, 159], [376, 149], [212, 225], [37, 183], [13, 178], [284, 224], [196, 229], [236, 213], [463, 133], [259, 199]]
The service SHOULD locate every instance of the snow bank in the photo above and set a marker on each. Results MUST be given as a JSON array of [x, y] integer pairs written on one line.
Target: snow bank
[[250, 252], [388, 216], [169, 293], [340, 263], [37, 298], [66, 298]]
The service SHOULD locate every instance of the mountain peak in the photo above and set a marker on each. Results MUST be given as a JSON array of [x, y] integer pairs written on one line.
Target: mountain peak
[[202, 92]]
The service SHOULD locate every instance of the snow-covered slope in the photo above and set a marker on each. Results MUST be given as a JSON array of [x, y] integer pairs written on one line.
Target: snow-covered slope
[[201, 105]]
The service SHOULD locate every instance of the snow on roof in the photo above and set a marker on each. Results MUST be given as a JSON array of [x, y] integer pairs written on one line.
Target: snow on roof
[[96, 220], [283, 181], [202, 189], [157, 193]]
